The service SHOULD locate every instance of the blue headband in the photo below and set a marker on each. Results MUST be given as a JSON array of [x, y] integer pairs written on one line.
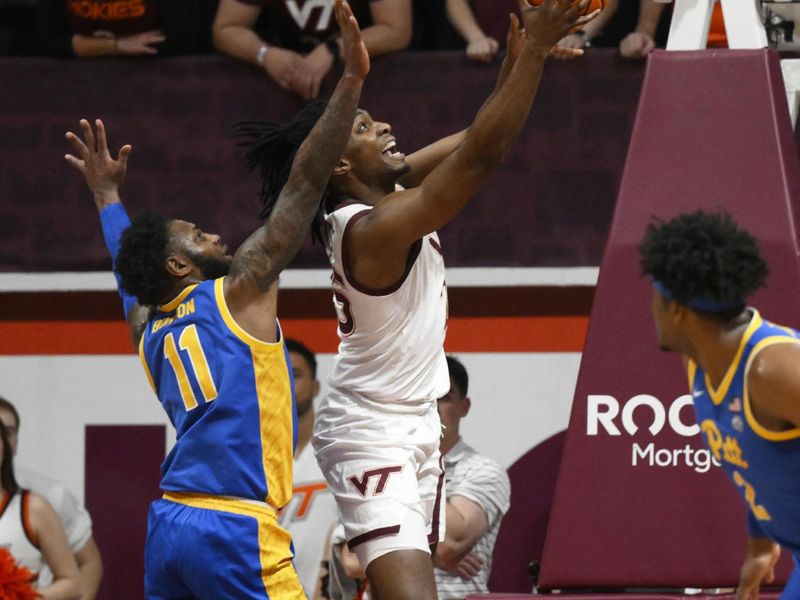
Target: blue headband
[[701, 304]]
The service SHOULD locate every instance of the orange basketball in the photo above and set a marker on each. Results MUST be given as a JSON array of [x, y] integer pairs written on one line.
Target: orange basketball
[[593, 5]]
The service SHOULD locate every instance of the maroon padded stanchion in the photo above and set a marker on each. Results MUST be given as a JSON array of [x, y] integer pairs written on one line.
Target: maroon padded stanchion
[[633, 507]]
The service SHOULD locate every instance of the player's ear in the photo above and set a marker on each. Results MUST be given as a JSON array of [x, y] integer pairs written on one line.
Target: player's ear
[[465, 406], [342, 168], [178, 266]]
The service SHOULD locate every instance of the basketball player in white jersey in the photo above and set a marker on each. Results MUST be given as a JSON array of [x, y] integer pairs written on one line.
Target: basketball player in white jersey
[[377, 432]]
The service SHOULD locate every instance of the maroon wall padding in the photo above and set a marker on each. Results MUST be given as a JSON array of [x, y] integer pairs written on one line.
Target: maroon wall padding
[[549, 204], [122, 476], [521, 537], [712, 131]]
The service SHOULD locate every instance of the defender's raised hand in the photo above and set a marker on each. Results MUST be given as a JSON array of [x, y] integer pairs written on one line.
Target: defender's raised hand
[[103, 173], [354, 52], [548, 22]]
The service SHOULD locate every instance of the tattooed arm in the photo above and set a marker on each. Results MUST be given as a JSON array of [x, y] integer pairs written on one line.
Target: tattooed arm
[[250, 289]]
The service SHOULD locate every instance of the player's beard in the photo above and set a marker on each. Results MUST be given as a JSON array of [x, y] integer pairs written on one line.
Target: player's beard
[[212, 267]]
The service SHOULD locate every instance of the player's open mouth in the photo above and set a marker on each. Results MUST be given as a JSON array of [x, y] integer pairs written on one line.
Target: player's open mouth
[[389, 150]]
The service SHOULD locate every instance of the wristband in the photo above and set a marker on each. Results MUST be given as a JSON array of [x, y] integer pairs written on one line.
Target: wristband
[[114, 221], [582, 34], [333, 48], [262, 55]]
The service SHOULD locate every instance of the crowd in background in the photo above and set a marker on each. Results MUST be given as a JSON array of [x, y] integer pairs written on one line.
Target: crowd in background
[[296, 43]]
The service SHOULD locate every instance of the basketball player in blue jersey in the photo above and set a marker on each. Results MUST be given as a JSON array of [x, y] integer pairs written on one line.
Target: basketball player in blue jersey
[[214, 354], [376, 436], [743, 373]]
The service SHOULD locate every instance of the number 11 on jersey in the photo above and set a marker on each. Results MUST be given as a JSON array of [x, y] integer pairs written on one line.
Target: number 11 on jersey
[[189, 341]]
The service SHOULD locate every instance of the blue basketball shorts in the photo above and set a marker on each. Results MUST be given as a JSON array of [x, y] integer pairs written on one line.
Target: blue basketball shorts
[[211, 547]]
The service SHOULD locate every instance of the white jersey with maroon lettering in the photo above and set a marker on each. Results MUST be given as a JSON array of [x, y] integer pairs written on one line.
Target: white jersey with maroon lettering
[[391, 354]]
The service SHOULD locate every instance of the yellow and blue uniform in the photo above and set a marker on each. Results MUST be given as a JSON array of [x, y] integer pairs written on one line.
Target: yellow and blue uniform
[[764, 465], [230, 398], [214, 534]]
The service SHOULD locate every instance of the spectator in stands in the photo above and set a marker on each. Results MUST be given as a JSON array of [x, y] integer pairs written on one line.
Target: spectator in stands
[[583, 37], [478, 496], [479, 45], [297, 47], [642, 40], [94, 28], [476, 32], [75, 520], [312, 511], [32, 533]]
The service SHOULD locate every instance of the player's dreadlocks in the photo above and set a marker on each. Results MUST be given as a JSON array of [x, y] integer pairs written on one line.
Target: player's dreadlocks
[[706, 258], [270, 147], [142, 258]]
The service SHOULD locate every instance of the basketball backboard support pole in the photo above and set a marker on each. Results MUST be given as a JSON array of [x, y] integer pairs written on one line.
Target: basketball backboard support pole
[[744, 29], [691, 20]]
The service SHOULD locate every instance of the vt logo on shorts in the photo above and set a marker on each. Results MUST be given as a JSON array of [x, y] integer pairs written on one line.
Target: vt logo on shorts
[[383, 477]]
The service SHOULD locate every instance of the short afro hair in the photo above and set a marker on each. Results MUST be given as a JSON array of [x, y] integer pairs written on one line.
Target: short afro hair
[[458, 373], [704, 256], [300, 348], [141, 261]]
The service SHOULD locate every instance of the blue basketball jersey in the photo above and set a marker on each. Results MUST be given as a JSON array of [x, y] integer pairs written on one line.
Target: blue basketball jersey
[[764, 465], [229, 396]]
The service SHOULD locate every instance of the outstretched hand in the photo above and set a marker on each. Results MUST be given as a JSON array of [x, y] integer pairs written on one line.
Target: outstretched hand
[[552, 20], [354, 51], [103, 173]]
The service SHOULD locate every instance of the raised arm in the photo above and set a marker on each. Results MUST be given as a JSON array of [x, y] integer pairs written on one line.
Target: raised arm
[[269, 249], [104, 175], [426, 159], [386, 233]]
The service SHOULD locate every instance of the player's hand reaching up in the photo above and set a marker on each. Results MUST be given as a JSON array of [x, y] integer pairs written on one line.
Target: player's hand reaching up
[[354, 51], [551, 20], [103, 173]]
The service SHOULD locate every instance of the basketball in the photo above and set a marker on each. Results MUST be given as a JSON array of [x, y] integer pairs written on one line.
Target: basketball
[[593, 5]]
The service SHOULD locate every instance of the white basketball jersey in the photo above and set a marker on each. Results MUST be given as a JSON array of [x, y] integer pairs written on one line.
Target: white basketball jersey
[[14, 535], [391, 353]]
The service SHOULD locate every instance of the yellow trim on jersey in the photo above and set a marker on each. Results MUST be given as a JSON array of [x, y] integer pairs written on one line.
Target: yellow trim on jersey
[[718, 395], [173, 304], [761, 431], [691, 370], [236, 329], [237, 506], [144, 364], [274, 543], [274, 390]]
